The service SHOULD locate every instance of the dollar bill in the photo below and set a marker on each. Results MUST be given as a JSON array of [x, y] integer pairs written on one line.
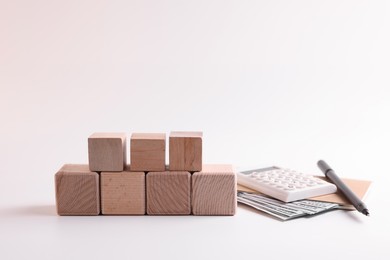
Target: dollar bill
[[283, 210]]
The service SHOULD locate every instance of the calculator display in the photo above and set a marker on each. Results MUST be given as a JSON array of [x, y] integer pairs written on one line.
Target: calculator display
[[261, 170]]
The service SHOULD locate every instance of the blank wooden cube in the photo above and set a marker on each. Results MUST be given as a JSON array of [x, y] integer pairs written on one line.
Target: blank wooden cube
[[107, 151], [147, 152], [214, 191], [168, 193], [77, 190], [123, 193], [185, 151]]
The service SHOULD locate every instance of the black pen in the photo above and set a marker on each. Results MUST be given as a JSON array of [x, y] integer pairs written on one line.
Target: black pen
[[356, 202]]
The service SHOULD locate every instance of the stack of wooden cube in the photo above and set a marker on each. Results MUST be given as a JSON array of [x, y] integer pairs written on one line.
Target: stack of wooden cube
[[109, 186]]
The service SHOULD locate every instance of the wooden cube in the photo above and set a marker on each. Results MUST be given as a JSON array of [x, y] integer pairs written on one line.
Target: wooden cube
[[185, 151], [168, 193], [77, 190], [147, 152], [123, 193], [214, 191], [107, 151]]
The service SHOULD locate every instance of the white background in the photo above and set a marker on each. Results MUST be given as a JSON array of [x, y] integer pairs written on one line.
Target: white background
[[268, 82]]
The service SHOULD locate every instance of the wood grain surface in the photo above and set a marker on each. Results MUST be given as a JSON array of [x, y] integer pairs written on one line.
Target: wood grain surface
[[147, 151], [168, 193], [77, 190], [214, 191], [107, 151], [185, 151], [123, 193]]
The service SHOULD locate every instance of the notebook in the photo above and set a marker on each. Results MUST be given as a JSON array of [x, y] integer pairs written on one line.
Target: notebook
[[359, 187]]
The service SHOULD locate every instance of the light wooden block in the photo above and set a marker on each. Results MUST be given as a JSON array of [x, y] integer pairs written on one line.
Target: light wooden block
[[147, 152], [77, 190], [123, 193], [107, 152], [185, 151], [214, 191], [168, 193]]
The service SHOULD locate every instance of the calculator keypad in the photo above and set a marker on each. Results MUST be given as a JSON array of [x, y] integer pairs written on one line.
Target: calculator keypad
[[285, 184]]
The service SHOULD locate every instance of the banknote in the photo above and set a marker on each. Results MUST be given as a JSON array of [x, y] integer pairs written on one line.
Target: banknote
[[283, 210]]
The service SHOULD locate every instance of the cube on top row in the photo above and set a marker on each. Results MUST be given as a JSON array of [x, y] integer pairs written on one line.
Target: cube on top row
[[147, 152], [107, 151], [185, 151]]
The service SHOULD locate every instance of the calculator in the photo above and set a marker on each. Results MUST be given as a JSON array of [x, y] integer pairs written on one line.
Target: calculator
[[284, 184]]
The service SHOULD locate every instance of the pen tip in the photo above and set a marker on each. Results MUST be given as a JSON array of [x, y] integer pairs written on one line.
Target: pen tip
[[365, 212]]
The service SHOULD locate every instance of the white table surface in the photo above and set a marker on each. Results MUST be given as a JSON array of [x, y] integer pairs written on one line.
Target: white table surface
[[268, 82], [32, 229]]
